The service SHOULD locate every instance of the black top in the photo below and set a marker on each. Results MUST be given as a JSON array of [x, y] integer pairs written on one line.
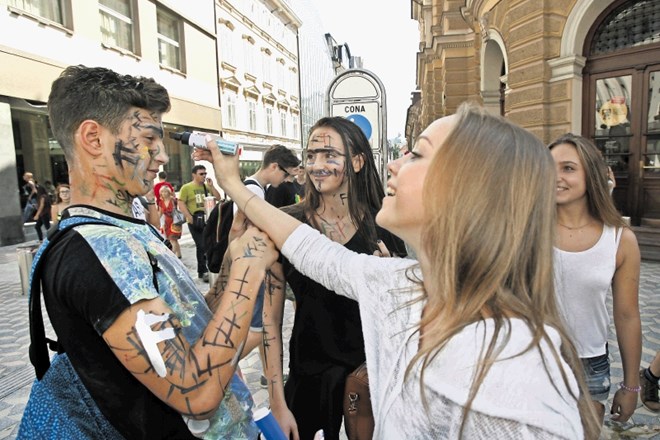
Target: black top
[[43, 194], [327, 329], [283, 195], [80, 298]]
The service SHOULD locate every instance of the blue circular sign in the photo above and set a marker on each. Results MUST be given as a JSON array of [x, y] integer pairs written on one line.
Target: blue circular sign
[[361, 122]]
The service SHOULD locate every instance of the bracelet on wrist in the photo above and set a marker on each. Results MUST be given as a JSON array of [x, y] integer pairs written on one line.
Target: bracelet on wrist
[[636, 389]]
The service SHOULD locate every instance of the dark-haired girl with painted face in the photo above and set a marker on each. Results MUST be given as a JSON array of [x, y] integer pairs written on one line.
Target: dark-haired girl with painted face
[[342, 196]]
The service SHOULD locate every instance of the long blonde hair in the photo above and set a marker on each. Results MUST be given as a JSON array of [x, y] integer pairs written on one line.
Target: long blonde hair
[[490, 215], [599, 201]]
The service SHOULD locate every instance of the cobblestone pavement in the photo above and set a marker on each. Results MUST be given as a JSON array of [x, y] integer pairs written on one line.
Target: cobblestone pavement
[[16, 374]]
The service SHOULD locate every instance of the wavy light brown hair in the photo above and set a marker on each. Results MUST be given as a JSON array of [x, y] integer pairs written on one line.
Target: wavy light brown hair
[[599, 201], [490, 214]]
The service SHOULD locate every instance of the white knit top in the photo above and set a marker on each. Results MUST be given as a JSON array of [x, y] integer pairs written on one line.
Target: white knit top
[[517, 399], [582, 282]]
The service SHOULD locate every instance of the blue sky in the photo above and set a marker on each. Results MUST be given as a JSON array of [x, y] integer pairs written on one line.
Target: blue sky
[[387, 39]]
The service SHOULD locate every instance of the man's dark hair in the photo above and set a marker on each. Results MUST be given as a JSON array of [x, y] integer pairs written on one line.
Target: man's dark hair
[[99, 94], [280, 155], [162, 175], [197, 168]]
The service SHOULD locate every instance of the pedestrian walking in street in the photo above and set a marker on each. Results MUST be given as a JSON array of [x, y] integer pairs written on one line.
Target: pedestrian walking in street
[[595, 254], [467, 342], [191, 196], [42, 213], [162, 181], [168, 203], [140, 354]]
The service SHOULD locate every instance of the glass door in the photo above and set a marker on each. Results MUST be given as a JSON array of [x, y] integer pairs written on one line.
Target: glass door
[[650, 155], [612, 130]]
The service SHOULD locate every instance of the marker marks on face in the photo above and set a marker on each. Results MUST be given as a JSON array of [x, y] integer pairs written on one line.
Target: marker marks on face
[[323, 139], [139, 144], [344, 198], [151, 338], [123, 154], [323, 163], [135, 150]]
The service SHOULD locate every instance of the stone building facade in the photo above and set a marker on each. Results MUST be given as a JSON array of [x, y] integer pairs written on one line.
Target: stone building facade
[[590, 67]]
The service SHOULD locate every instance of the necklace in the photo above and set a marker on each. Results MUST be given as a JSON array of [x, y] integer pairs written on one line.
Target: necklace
[[575, 227]]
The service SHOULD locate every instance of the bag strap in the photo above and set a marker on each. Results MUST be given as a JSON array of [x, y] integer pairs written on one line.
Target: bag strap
[[39, 343], [246, 182], [218, 223]]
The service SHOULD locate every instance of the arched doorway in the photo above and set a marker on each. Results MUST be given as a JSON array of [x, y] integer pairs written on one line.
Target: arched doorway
[[622, 102]]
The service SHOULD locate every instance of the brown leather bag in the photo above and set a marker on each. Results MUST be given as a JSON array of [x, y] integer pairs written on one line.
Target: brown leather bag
[[358, 415]]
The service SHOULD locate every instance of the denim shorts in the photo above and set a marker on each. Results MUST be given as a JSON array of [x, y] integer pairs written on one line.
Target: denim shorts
[[257, 323], [597, 372]]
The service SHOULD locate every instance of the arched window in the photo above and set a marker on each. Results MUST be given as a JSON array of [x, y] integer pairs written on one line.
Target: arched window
[[629, 25]]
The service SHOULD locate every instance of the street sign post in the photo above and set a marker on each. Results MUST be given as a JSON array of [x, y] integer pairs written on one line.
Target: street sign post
[[359, 96]]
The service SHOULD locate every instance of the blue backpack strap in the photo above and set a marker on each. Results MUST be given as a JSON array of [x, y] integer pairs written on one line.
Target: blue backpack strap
[[39, 344]]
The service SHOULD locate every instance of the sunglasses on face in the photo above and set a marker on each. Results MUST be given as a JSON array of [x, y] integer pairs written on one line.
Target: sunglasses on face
[[286, 173], [201, 174]]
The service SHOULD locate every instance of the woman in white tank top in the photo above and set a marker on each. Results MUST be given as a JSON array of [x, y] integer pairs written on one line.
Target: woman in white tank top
[[596, 251]]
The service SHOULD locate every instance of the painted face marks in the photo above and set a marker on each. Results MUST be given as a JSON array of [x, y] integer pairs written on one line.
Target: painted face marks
[[137, 154], [325, 163]]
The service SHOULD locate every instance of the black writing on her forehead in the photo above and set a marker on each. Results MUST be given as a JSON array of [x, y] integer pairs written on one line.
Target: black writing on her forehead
[[325, 138]]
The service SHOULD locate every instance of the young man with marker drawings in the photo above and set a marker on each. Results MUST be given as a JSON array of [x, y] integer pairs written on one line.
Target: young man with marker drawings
[[143, 354]]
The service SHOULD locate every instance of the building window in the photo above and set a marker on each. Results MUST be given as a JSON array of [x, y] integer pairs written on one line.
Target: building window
[[49, 9], [267, 68], [169, 49], [227, 45], [269, 120], [281, 76], [296, 128], [283, 122], [230, 111], [117, 23], [248, 54], [252, 115], [631, 24]]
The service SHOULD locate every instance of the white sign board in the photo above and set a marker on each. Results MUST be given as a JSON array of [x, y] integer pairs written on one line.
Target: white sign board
[[365, 115], [359, 96]]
